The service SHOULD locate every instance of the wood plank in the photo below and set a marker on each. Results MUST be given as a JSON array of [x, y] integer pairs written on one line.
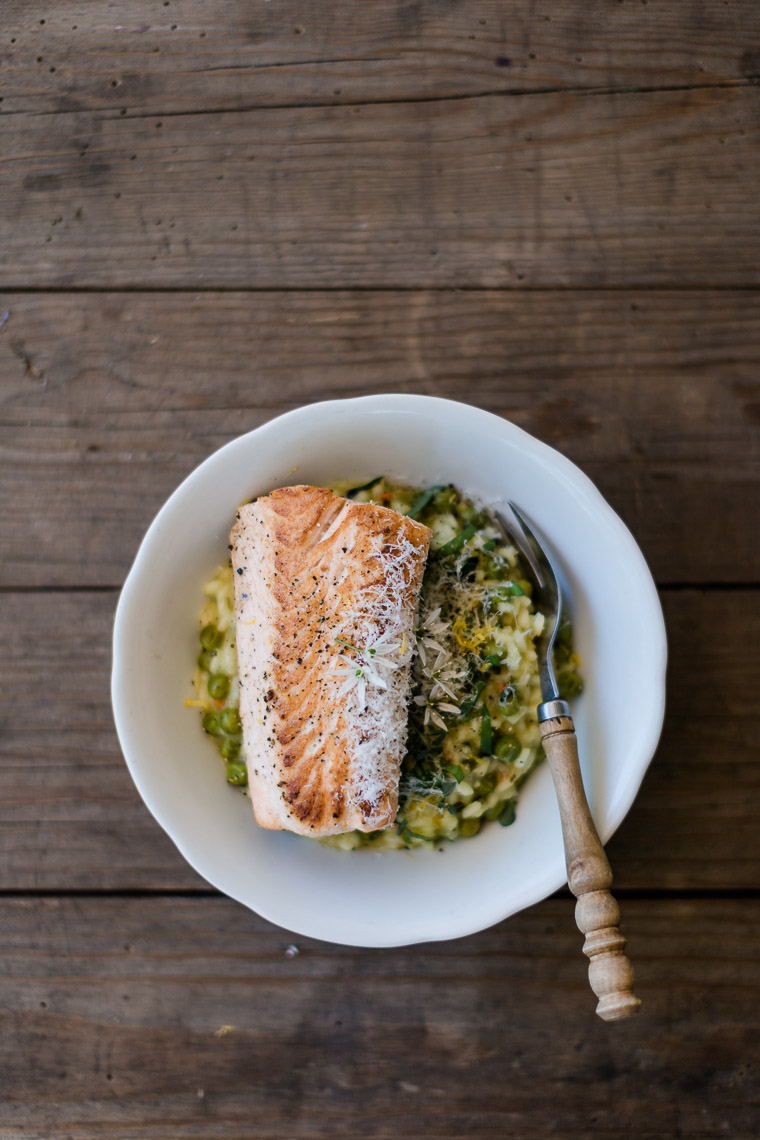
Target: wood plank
[[71, 819], [611, 190], [122, 1005], [148, 57], [693, 791], [108, 401]]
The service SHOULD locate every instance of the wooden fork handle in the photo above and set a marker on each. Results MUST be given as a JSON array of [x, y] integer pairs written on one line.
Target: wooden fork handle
[[589, 877]]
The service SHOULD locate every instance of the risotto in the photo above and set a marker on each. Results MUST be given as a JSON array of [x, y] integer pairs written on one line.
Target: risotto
[[473, 735]]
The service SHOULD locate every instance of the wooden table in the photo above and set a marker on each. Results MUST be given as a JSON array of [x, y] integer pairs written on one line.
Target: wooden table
[[212, 211]]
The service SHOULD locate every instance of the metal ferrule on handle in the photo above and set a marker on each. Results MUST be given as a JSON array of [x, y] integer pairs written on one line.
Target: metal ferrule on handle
[[551, 709]]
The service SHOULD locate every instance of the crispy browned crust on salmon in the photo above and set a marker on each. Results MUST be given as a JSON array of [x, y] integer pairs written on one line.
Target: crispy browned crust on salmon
[[318, 581]]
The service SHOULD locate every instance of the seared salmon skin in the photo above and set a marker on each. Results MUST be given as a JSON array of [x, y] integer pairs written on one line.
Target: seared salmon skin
[[326, 594]]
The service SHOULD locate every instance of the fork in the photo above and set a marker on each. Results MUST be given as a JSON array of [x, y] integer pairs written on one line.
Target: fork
[[589, 875]]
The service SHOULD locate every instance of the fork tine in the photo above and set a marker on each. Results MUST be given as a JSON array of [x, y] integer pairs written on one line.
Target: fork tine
[[516, 531], [542, 556], [523, 521], [548, 595]]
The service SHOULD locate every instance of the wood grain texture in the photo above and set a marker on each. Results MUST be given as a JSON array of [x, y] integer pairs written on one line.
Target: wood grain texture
[[546, 189], [692, 793], [187, 1018], [71, 819], [586, 173], [589, 876], [150, 57], [108, 401]]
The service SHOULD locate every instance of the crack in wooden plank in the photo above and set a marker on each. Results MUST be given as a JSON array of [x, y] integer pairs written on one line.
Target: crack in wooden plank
[[289, 63], [454, 97]]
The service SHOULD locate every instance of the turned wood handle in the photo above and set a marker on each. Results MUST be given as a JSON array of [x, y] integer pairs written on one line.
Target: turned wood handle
[[589, 877]]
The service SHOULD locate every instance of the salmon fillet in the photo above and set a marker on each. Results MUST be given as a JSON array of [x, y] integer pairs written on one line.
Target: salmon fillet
[[326, 594]]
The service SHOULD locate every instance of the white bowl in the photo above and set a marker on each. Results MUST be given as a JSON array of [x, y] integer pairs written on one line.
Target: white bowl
[[367, 898]]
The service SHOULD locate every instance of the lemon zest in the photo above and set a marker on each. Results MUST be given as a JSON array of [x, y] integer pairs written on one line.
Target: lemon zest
[[470, 638]]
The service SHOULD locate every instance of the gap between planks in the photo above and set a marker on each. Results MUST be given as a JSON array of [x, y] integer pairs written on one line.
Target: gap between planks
[[695, 894]]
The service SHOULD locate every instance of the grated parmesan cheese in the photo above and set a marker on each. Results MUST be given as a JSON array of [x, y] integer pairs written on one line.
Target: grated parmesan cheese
[[381, 626]]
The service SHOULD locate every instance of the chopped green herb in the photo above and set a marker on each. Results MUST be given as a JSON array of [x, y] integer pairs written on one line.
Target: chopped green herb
[[508, 815], [485, 733], [455, 771], [509, 590], [468, 707], [447, 787], [419, 505], [458, 541], [490, 545]]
